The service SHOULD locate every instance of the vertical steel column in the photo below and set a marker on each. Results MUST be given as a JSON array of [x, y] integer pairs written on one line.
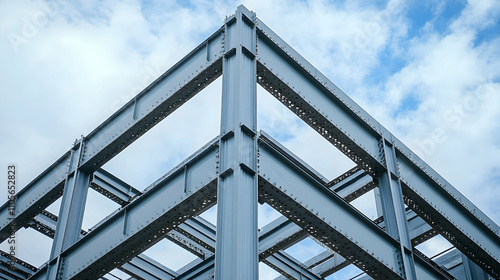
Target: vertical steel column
[[70, 219], [393, 207], [237, 232]]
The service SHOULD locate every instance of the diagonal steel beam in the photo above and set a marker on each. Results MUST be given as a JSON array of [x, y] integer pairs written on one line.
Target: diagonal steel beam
[[172, 89], [289, 188], [327, 109], [144, 221]]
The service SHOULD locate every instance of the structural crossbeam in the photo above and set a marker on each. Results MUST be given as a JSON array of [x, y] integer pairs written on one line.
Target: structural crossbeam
[[143, 267], [290, 267], [113, 188], [20, 269]]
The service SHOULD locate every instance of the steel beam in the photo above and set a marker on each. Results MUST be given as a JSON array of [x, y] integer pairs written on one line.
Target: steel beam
[[279, 261], [192, 240], [112, 187], [167, 93], [20, 269], [290, 189], [237, 245], [352, 184], [327, 109], [330, 264], [139, 266], [420, 231], [199, 270], [143, 222], [290, 267], [282, 233], [71, 211], [143, 267], [36, 196], [460, 266], [396, 222], [200, 232], [188, 244]]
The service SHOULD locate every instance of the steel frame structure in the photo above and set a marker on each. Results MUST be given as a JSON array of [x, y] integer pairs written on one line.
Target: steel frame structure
[[243, 167]]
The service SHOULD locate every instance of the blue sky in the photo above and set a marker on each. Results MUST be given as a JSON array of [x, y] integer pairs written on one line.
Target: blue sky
[[421, 68]]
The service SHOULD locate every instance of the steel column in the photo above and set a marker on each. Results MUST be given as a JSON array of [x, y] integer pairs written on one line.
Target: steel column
[[391, 196], [71, 210], [237, 247]]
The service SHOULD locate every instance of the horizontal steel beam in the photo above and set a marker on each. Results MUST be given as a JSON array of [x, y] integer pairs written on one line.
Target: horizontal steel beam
[[139, 266], [331, 264], [113, 188], [420, 231], [328, 110], [167, 93], [289, 188], [199, 270], [36, 196], [20, 270], [143, 267], [185, 191], [201, 235], [290, 267], [46, 222], [352, 184]]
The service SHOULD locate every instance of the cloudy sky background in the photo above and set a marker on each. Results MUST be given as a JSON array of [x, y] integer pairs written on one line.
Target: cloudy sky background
[[429, 71]]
